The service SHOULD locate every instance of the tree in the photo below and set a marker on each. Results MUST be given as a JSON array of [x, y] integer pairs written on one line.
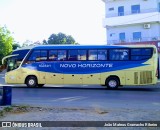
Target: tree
[[44, 42], [6, 41], [15, 46], [60, 38], [27, 43]]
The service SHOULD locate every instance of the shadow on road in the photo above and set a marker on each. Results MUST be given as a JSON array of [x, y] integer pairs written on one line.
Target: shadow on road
[[130, 88]]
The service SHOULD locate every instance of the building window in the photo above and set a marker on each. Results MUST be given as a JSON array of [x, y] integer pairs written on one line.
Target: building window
[[122, 37], [111, 9], [159, 7], [135, 9], [137, 36], [121, 11], [112, 34]]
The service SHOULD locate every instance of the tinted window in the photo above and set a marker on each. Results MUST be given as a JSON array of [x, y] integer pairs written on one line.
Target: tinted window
[[141, 53], [35, 56], [43, 55], [82, 55], [92, 55], [38, 55], [72, 55], [62, 55], [102, 54], [119, 54], [53, 55]]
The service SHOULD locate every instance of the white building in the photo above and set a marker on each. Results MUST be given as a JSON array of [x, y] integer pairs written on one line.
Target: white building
[[132, 20]]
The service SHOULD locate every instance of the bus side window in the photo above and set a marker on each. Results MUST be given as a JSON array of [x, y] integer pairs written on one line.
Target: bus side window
[[82, 54], [53, 55], [43, 55], [62, 54], [92, 55], [141, 53], [34, 57], [119, 54], [102, 54], [72, 55]]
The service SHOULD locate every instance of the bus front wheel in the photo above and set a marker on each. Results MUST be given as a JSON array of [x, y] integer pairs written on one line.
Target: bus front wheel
[[31, 81], [112, 83]]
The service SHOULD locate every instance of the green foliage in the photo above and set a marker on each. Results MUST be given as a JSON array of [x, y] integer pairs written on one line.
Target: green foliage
[[6, 41], [1, 113], [15, 46], [60, 38], [8, 109]]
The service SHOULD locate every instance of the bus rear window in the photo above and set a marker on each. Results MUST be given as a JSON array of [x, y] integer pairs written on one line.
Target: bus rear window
[[141, 53]]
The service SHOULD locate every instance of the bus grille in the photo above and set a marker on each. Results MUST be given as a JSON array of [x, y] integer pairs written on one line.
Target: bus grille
[[136, 78], [145, 77]]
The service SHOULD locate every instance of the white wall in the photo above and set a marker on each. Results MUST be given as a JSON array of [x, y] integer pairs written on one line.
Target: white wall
[[144, 5], [147, 34], [132, 19]]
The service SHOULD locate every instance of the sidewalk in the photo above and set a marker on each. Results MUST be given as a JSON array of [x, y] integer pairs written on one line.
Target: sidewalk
[[3, 72]]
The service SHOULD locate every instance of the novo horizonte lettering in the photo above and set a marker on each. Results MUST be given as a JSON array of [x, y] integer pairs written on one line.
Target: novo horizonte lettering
[[86, 65]]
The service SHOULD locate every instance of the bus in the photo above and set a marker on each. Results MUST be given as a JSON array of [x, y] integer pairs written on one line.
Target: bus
[[16, 56], [112, 66]]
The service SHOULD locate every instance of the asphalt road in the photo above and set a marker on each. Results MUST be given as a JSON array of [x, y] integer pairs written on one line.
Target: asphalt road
[[88, 96]]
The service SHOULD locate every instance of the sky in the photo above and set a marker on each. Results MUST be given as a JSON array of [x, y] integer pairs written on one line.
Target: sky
[[36, 20]]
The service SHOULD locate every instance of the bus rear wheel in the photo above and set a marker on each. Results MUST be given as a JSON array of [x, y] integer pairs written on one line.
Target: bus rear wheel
[[112, 83], [31, 81]]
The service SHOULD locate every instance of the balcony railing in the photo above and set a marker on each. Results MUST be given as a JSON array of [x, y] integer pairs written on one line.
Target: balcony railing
[[133, 12], [144, 39]]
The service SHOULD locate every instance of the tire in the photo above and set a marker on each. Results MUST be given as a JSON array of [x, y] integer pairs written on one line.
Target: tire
[[40, 85], [112, 83], [31, 81]]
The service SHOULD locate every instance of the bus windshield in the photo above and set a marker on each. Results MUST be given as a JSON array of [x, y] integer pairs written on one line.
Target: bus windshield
[[12, 64]]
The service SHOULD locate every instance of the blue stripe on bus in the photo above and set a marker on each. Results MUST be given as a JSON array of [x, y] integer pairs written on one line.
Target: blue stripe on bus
[[83, 67], [78, 47]]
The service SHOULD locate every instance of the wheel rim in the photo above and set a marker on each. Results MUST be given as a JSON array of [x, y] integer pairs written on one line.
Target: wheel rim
[[31, 82], [112, 83]]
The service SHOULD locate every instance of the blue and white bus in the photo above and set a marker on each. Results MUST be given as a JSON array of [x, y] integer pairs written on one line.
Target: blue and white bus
[[112, 66]]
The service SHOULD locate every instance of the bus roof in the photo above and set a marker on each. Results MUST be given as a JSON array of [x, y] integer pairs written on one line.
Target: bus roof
[[88, 46], [24, 48]]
